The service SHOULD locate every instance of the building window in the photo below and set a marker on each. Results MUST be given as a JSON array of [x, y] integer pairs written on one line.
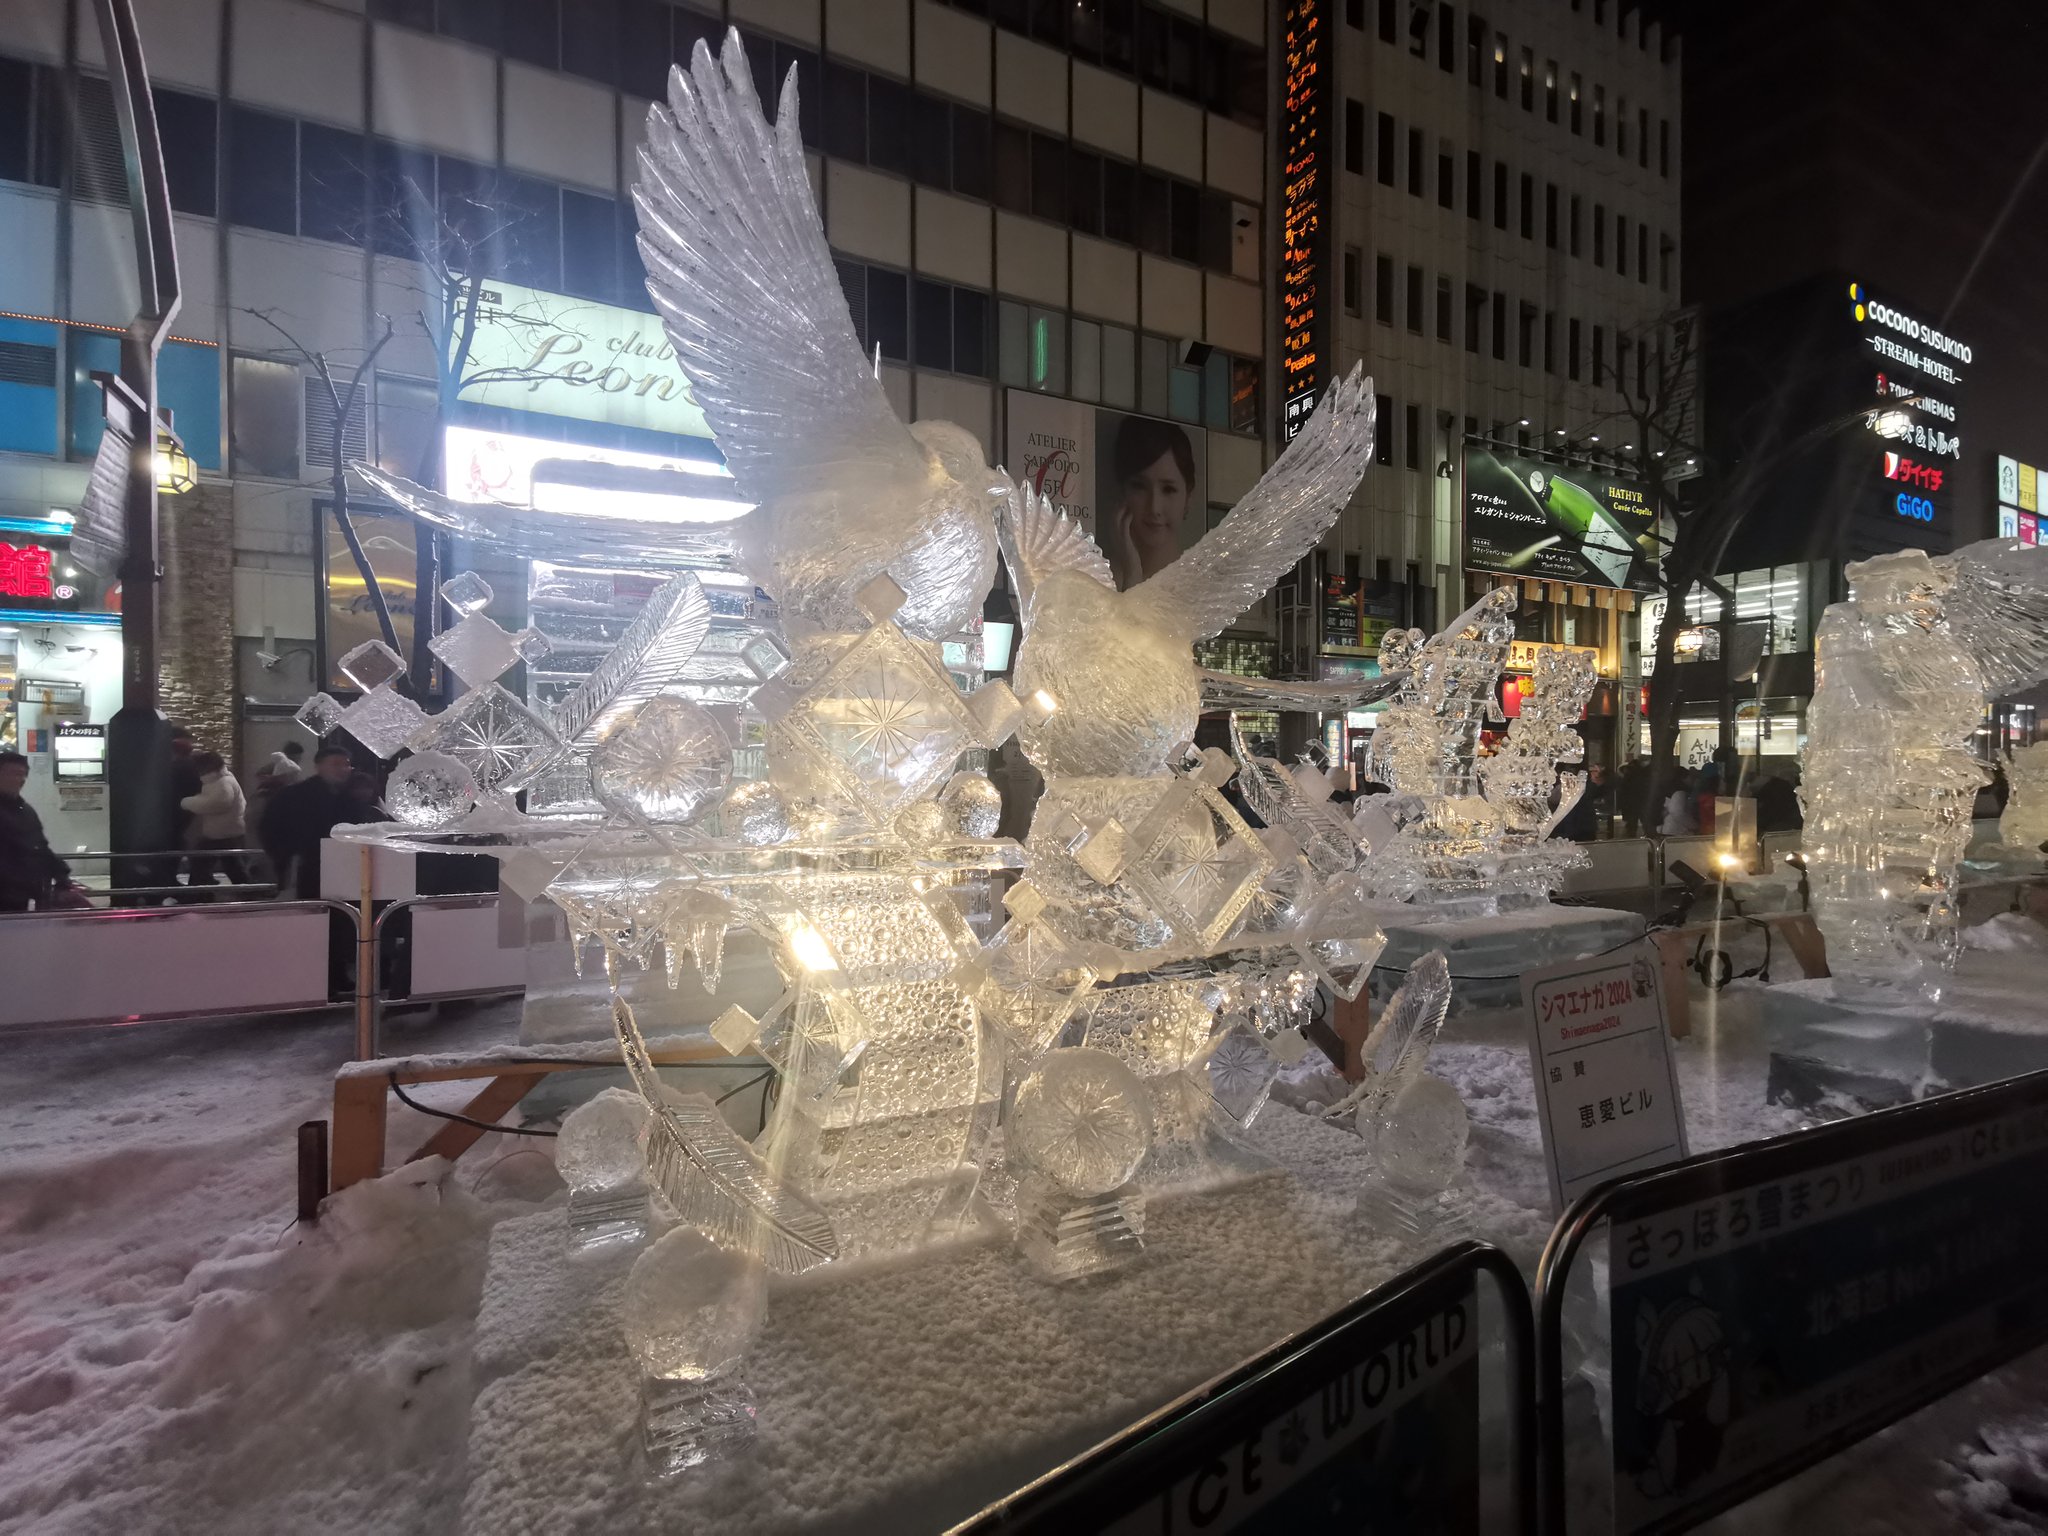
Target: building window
[[1389, 21], [1354, 136], [1642, 253], [1354, 14], [1599, 235], [1049, 178], [1354, 280], [1383, 450], [1415, 317], [1500, 326], [1012, 168], [1415, 161], [1525, 336], [1500, 194], [1383, 289], [1621, 244], [263, 423], [846, 113], [1046, 360], [1418, 31], [1500, 65], [1550, 214], [1571, 350], [1577, 121], [1119, 201], [1084, 191], [1475, 51], [1550, 90], [1474, 186], [1600, 114], [1599, 355], [1443, 309], [1528, 206], [1663, 146], [262, 172], [1528, 80], [1446, 180], [1447, 39], [1622, 344], [1665, 251], [1549, 341], [1119, 367], [1578, 210], [1386, 149], [1643, 137], [1411, 436], [1621, 126], [1475, 315], [890, 109]]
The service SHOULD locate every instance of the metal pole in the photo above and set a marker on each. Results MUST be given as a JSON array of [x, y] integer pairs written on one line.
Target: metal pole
[[366, 964], [138, 739]]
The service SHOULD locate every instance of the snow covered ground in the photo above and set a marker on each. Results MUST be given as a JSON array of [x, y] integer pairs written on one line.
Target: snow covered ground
[[175, 1356]]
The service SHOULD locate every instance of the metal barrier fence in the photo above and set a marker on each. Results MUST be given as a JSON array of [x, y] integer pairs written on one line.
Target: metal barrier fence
[[171, 858]]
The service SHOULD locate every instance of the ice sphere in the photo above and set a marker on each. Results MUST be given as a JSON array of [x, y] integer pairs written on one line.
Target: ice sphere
[[921, 823], [669, 762], [466, 593], [1081, 1120], [430, 788], [383, 720], [1418, 1142], [973, 805], [755, 814], [371, 664], [599, 1144], [319, 716], [691, 1308]]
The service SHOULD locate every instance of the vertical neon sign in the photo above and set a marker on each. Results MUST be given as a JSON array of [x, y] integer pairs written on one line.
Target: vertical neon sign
[[1304, 212]]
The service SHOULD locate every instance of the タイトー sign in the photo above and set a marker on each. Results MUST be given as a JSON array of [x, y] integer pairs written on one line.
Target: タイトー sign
[[1796, 1304], [1606, 1089], [1526, 517]]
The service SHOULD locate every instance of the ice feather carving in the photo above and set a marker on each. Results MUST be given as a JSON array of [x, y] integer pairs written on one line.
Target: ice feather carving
[[653, 649], [1278, 521], [1270, 790], [1998, 604], [713, 1181], [1039, 539], [1397, 1048]]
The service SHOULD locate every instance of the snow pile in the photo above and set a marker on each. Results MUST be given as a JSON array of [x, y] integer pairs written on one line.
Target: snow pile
[[2007, 932]]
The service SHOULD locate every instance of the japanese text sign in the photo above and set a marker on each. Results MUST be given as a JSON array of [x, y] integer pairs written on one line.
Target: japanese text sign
[[1606, 1090]]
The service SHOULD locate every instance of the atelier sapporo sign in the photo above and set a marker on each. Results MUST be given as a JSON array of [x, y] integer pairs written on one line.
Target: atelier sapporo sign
[[1605, 1085], [1369, 1422], [1761, 1328]]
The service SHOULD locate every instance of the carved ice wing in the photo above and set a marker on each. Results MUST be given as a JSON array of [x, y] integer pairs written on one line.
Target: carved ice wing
[[1999, 606], [738, 267], [1397, 1048], [1279, 520], [1039, 539], [1226, 690]]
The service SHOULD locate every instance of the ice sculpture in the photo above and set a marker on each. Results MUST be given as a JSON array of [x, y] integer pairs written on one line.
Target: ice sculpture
[[2024, 825], [600, 1155], [689, 1312], [1903, 672], [1460, 836]]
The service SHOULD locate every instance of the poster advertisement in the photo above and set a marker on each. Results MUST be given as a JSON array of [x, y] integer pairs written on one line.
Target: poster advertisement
[[348, 616], [1553, 522], [1138, 484]]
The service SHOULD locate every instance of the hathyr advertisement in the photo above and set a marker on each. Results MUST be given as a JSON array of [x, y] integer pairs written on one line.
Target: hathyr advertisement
[[1526, 517], [1135, 483]]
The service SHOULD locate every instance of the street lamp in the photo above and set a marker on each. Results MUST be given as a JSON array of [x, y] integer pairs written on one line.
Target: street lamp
[[174, 473]]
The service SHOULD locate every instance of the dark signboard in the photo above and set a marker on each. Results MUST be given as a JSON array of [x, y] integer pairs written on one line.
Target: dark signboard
[[1772, 1305], [1357, 613], [1370, 1419], [1306, 65], [1555, 522]]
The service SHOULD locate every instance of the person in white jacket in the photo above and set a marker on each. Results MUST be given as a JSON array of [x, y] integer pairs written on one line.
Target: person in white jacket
[[219, 818]]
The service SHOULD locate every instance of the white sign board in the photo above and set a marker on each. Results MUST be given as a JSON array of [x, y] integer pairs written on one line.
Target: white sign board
[[1606, 1089], [560, 356]]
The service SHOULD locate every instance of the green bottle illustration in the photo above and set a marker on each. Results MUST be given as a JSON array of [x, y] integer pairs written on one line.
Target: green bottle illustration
[[1605, 542]]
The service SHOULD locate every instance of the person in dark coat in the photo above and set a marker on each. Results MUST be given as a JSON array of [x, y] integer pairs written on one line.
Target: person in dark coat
[[1777, 803], [300, 817], [30, 873]]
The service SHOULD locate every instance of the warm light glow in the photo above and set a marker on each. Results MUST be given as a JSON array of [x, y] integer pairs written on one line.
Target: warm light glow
[[812, 952], [1729, 861], [1045, 701], [174, 473]]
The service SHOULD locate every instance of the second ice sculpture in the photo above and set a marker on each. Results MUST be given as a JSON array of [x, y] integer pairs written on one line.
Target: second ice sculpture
[[1903, 672], [2024, 825]]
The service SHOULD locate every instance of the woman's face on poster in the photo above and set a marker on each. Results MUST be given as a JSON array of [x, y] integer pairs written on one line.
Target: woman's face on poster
[[1156, 502]]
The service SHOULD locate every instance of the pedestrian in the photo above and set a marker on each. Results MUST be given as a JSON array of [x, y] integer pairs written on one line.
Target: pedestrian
[[284, 767], [1681, 806], [31, 874], [363, 803], [1632, 785], [219, 812], [184, 784], [1777, 802], [299, 819]]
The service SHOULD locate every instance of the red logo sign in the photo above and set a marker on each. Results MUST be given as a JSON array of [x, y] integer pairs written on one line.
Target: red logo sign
[[1912, 472], [25, 572]]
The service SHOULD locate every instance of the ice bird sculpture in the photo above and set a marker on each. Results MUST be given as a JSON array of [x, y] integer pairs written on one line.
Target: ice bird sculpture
[[1905, 668], [738, 267], [1117, 669]]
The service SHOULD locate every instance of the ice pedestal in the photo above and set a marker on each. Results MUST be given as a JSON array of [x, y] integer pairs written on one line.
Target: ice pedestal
[[1067, 1235], [1488, 955]]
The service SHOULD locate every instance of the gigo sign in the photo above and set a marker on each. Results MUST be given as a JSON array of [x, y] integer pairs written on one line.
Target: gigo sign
[[559, 356]]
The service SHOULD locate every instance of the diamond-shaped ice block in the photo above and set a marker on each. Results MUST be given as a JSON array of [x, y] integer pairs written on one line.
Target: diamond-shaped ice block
[[383, 720], [1288, 1046], [735, 1029], [492, 734], [477, 649], [1023, 901], [765, 657], [371, 664], [1039, 707], [527, 874], [466, 593], [879, 598], [1215, 768], [319, 716], [532, 645], [996, 712], [1103, 853]]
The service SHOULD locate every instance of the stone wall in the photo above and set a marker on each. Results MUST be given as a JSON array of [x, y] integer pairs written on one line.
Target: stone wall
[[196, 618]]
